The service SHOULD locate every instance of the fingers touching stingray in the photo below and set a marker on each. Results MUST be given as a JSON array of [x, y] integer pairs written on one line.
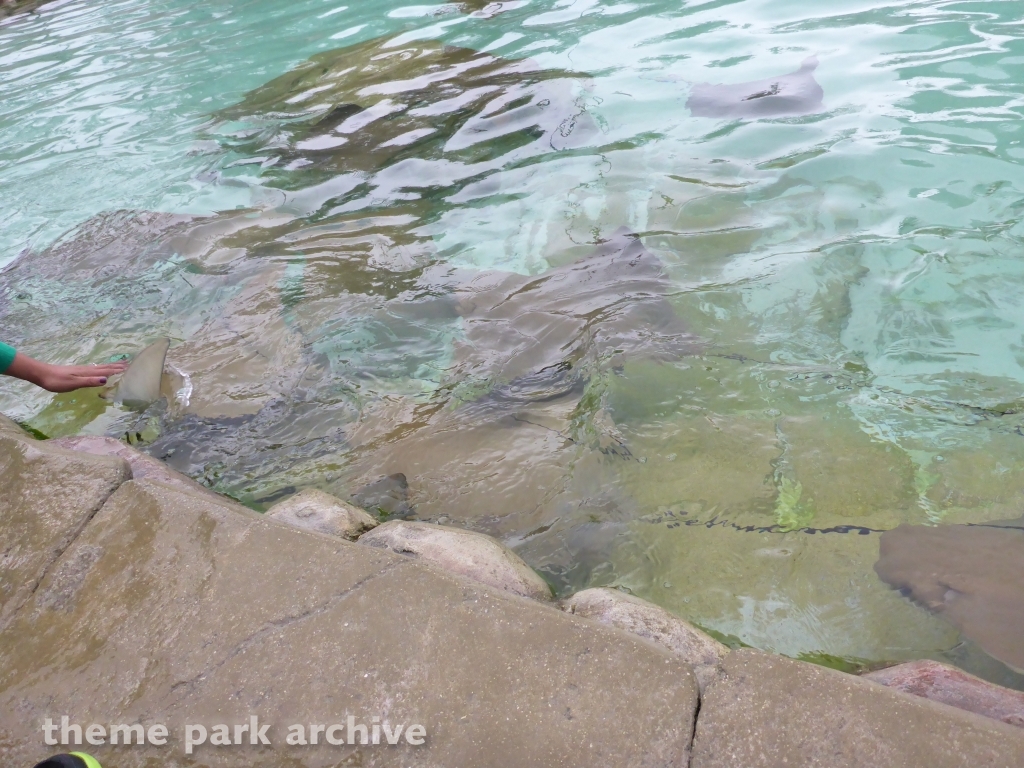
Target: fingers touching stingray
[[796, 93], [146, 379]]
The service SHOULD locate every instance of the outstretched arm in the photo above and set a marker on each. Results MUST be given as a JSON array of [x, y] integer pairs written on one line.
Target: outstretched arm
[[55, 378]]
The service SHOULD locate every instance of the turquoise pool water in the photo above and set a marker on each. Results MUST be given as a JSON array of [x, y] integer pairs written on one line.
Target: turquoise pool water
[[849, 278]]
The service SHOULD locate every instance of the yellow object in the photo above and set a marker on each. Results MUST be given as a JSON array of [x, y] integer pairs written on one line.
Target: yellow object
[[90, 761]]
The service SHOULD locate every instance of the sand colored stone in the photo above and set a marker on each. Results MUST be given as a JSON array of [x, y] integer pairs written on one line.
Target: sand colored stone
[[952, 686], [142, 464], [466, 553], [628, 612], [315, 510], [49, 494], [172, 608], [764, 710]]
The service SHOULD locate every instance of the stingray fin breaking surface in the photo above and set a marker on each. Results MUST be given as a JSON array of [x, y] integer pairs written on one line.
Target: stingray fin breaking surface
[[140, 383], [795, 93]]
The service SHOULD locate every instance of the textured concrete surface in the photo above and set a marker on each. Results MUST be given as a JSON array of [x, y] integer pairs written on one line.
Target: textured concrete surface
[[466, 553], [618, 609], [315, 510], [764, 710], [170, 608], [49, 494], [952, 686], [143, 465]]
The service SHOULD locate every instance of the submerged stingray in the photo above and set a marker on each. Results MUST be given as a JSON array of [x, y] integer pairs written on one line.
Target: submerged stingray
[[796, 93], [970, 574], [610, 304], [526, 383]]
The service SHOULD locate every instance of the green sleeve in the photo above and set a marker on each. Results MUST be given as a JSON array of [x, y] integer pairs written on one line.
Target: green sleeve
[[6, 357]]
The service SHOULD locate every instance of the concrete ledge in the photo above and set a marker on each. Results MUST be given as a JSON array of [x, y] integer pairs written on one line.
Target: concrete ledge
[[764, 710], [49, 496], [618, 609], [144, 466], [172, 608]]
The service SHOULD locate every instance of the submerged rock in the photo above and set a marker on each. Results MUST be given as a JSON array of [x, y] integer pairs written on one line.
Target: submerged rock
[[388, 496], [318, 511], [610, 305], [952, 686], [467, 553], [969, 574], [622, 610], [365, 106], [527, 379]]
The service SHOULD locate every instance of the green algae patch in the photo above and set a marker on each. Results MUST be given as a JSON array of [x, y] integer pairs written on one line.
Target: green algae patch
[[38, 435], [790, 513], [851, 666]]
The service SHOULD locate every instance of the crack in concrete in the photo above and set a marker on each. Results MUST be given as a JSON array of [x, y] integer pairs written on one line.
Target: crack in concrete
[[192, 684]]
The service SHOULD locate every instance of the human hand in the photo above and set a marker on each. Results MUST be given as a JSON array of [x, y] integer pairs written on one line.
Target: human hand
[[62, 378]]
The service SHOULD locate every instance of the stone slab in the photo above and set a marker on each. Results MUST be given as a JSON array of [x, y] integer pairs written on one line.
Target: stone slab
[[631, 613], [143, 465], [764, 710], [315, 510], [467, 553], [949, 685], [172, 608], [49, 494]]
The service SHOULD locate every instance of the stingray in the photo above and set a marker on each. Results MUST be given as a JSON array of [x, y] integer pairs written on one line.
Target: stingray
[[612, 304], [523, 404], [148, 379], [795, 93], [973, 575]]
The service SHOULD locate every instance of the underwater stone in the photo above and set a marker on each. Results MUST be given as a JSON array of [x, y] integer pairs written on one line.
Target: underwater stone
[[315, 510], [625, 611], [954, 687], [466, 553], [389, 496]]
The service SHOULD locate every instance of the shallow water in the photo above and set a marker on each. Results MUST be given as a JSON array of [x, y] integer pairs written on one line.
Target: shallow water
[[358, 225]]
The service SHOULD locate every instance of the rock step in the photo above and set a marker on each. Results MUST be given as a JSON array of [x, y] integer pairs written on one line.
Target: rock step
[[171, 607], [954, 687], [763, 710], [618, 609], [467, 553], [318, 511]]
